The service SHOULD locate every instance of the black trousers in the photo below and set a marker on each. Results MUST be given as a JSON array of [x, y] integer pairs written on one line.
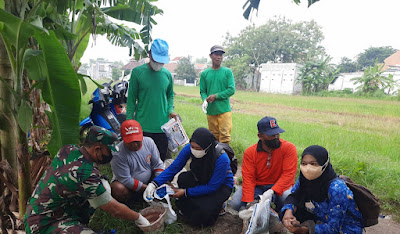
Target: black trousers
[[161, 141], [201, 211]]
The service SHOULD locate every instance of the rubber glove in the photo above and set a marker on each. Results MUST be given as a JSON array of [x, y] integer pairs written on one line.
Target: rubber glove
[[142, 221], [204, 106], [148, 194], [268, 194]]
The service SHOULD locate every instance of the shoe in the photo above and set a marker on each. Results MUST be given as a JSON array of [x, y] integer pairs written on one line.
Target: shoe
[[222, 212]]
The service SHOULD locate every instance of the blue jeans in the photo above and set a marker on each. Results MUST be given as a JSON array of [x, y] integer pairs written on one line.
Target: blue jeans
[[236, 201]]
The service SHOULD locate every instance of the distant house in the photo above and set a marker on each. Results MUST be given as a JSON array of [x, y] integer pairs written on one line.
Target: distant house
[[133, 63], [101, 70], [392, 63], [199, 67], [280, 78]]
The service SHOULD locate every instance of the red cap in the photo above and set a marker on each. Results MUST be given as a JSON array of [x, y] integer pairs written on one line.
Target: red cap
[[131, 131]]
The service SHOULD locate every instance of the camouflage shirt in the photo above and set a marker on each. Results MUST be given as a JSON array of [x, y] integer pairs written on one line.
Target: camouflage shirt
[[68, 192]]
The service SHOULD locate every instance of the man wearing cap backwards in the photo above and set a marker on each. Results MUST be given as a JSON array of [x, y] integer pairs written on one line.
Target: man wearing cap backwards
[[151, 96], [268, 166], [71, 189], [135, 164], [216, 86]]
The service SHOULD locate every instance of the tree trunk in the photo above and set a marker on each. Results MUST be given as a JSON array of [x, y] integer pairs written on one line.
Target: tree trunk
[[8, 123], [24, 179]]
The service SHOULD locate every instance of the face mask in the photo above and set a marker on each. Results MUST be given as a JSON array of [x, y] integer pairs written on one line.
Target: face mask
[[313, 172], [105, 159], [199, 153], [156, 66], [273, 144]]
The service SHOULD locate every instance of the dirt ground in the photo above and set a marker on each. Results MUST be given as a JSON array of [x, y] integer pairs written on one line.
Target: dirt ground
[[232, 224]]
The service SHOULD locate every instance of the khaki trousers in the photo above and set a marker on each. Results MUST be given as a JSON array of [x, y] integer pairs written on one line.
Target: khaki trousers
[[221, 126]]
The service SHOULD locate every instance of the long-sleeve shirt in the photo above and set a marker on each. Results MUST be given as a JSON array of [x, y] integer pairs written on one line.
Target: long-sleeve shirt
[[150, 98], [281, 173], [133, 168], [221, 175], [338, 213], [221, 83]]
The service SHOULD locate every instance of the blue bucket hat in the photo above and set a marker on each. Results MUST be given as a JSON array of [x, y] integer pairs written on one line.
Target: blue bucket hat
[[159, 51]]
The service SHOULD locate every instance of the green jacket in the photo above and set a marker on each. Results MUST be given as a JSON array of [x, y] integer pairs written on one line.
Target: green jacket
[[221, 83], [150, 98]]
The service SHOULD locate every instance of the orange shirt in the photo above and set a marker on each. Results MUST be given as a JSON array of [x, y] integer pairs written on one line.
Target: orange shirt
[[281, 173]]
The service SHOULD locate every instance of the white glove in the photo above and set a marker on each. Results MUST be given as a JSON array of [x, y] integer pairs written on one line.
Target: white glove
[[148, 194], [267, 195], [142, 221], [204, 106]]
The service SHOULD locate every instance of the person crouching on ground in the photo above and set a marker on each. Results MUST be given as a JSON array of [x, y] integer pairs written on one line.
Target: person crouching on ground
[[204, 188], [71, 189], [269, 165], [320, 200], [135, 164]]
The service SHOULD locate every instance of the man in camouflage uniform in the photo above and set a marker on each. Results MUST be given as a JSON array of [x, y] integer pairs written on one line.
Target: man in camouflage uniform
[[71, 189]]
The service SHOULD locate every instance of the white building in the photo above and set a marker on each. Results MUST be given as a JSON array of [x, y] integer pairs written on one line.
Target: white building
[[101, 70], [344, 81], [280, 78]]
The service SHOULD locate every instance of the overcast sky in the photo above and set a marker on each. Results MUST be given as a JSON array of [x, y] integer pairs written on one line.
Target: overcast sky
[[191, 27]]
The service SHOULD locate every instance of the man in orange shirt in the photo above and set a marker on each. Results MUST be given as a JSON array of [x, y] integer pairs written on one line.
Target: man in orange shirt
[[268, 166]]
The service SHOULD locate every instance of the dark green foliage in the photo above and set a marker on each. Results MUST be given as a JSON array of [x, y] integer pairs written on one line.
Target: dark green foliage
[[279, 40], [347, 66], [185, 70], [373, 55]]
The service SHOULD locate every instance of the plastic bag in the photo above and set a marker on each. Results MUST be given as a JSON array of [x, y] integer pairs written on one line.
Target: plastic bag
[[259, 222], [175, 133], [163, 192]]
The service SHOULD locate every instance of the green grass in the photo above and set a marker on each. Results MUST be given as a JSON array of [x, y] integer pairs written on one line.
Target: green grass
[[362, 135]]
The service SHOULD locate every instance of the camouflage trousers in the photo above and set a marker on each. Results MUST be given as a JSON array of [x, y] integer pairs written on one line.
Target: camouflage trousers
[[69, 226]]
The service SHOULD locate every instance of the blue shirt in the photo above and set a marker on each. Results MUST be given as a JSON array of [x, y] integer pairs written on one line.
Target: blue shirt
[[222, 174], [338, 214]]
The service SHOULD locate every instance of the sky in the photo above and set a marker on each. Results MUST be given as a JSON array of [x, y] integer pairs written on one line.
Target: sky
[[191, 27]]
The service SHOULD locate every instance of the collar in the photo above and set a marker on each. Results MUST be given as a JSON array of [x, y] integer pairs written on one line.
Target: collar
[[85, 154]]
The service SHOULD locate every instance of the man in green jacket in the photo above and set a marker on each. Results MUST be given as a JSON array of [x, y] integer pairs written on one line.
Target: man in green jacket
[[151, 96], [216, 86]]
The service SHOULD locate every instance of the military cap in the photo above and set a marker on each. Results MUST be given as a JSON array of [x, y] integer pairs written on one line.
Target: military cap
[[103, 136]]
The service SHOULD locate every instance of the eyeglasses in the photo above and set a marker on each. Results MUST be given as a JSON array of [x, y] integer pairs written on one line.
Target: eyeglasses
[[269, 161]]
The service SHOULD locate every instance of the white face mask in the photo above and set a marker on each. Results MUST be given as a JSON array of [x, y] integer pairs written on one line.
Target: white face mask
[[156, 66], [199, 153], [313, 172]]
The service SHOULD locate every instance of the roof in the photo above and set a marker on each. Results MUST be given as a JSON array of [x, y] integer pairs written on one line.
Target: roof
[[132, 64], [171, 67], [392, 61]]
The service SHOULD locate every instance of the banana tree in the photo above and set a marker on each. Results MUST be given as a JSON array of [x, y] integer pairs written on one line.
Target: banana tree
[[251, 5], [41, 45]]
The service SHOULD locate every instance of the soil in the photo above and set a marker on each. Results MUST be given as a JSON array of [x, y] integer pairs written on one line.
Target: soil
[[232, 224]]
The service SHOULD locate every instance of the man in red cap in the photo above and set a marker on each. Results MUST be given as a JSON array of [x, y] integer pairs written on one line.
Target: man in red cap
[[135, 164]]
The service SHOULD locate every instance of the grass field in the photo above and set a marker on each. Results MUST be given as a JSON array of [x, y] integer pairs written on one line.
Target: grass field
[[362, 135]]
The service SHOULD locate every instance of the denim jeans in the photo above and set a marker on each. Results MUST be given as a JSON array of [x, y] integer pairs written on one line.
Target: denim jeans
[[236, 201]]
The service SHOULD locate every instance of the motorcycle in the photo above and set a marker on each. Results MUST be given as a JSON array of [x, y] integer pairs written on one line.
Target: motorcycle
[[108, 108]]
